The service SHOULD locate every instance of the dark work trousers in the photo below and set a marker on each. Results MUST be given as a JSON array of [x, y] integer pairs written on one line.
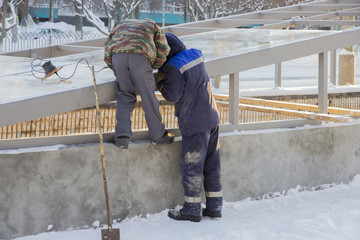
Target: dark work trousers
[[133, 71], [200, 161]]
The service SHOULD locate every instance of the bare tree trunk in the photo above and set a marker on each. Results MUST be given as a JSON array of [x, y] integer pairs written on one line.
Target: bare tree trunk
[[5, 9], [185, 11], [137, 12], [14, 32], [3, 30], [109, 17], [117, 11], [78, 17], [23, 13], [51, 11]]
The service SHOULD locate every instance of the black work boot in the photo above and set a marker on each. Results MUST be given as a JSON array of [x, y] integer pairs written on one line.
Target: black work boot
[[180, 215], [211, 214], [165, 139], [122, 142]]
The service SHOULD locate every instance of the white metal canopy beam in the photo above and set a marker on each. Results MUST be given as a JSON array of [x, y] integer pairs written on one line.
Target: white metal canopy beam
[[235, 23], [327, 22], [327, 7], [345, 1], [261, 14], [349, 13], [283, 53], [329, 15], [139, 135], [312, 13], [313, 8], [182, 31], [79, 98], [47, 105], [79, 49], [287, 14]]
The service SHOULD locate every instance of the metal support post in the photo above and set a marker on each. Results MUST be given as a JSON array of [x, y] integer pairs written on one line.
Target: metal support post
[[323, 83], [216, 81], [333, 59], [234, 99], [278, 75]]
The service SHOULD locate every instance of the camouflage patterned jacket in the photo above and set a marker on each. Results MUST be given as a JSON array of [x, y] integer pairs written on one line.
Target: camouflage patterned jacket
[[140, 37]]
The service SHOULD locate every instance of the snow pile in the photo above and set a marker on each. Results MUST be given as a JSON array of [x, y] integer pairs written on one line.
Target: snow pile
[[34, 149], [326, 212], [63, 26]]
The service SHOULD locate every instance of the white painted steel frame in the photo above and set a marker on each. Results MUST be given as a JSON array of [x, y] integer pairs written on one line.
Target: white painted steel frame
[[48, 105], [11, 113], [140, 135], [234, 98], [323, 83], [316, 13], [278, 75], [268, 56]]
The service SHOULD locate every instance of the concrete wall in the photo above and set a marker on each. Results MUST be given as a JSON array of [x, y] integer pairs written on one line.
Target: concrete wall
[[64, 188]]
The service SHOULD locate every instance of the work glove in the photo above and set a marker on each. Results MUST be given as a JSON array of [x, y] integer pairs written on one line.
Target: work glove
[[160, 80]]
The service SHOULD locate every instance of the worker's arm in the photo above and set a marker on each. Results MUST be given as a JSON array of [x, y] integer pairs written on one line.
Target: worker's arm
[[162, 47], [173, 86]]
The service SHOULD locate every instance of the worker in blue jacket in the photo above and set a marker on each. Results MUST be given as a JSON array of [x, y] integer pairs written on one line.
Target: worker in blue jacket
[[183, 79]]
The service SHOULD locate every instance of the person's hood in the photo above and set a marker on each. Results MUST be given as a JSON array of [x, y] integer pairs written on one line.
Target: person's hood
[[176, 45]]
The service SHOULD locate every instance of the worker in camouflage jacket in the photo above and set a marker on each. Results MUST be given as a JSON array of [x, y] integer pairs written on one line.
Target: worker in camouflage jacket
[[183, 79], [133, 49]]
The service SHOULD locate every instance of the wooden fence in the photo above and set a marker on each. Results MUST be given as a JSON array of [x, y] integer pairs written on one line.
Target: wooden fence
[[84, 120]]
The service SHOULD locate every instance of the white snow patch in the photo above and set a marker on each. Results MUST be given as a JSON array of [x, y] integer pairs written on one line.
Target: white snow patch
[[96, 224], [34, 149], [329, 211], [273, 130]]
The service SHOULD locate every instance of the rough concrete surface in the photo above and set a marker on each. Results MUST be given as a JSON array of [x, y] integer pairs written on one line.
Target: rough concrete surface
[[64, 188]]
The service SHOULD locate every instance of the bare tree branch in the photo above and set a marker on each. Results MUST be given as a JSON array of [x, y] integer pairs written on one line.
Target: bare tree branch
[[95, 20], [129, 7], [108, 15]]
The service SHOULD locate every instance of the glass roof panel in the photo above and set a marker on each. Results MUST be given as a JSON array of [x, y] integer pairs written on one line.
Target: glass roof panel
[[230, 42], [18, 83]]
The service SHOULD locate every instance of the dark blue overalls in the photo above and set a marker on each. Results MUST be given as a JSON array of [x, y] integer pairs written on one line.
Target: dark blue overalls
[[187, 84]]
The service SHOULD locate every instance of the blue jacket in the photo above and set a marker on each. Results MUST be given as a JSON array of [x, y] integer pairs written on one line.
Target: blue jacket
[[187, 84]]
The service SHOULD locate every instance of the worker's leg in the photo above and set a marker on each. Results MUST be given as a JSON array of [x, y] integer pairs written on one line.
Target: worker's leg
[[142, 75], [191, 168], [125, 95], [212, 174]]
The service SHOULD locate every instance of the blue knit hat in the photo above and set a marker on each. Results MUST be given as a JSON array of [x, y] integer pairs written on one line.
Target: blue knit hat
[[176, 45]]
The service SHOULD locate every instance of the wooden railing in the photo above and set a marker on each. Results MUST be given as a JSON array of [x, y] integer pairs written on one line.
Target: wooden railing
[[250, 110]]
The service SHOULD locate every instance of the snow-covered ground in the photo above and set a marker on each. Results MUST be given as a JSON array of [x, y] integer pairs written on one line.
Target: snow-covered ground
[[61, 26], [31, 37], [327, 212]]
